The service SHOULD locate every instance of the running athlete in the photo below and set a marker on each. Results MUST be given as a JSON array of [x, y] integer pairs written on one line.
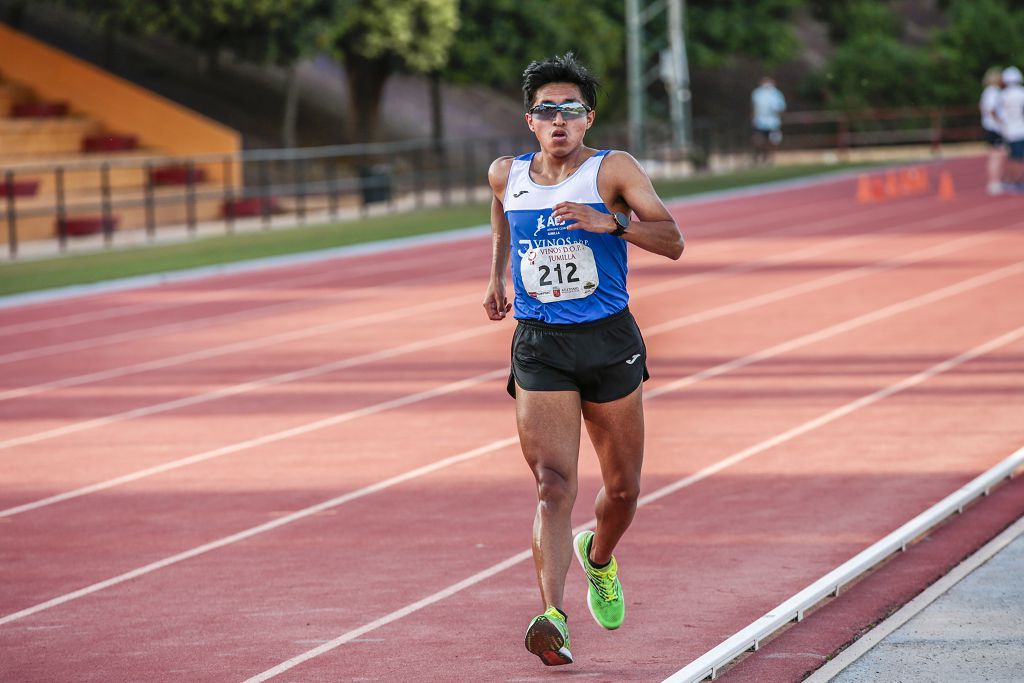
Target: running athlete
[[563, 217]]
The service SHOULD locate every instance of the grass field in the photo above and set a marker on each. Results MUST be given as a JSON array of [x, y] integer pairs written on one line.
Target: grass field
[[26, 276]]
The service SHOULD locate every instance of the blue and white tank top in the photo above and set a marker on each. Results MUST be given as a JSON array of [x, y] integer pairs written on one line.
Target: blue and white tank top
[[562, 276]]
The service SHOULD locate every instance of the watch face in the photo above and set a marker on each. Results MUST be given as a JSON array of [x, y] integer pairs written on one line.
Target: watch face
[[622, 220]]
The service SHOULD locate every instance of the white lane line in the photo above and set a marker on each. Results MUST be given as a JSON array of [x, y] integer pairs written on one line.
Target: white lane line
[[198, 323], [334, 365], [323, 423], [244, 345], [265, 527], [671, 325], [720, 311], [950, 290], [261, 342], [213, 352], [220, 294], [299, 305], [236, 389], [810, 425]]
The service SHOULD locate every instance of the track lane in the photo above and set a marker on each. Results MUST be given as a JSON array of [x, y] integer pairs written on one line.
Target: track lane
[[193, 475], [171, 634], [653, 331], [28, 411]]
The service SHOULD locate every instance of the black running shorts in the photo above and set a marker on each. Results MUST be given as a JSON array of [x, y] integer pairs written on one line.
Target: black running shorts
[[603, 360]]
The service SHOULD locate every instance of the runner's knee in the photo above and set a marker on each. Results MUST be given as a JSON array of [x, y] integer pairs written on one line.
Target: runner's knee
[[623, 493], [554, 488]]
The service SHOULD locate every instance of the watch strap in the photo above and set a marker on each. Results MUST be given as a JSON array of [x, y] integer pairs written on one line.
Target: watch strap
[[621, 223]]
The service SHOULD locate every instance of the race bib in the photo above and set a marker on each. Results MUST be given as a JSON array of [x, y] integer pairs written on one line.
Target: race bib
[[559, 273]]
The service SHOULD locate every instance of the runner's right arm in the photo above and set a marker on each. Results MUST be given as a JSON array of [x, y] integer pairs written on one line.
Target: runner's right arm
[[495, 302]]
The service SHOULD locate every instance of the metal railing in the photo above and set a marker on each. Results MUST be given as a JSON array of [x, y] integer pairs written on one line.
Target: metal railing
[[145, 192]]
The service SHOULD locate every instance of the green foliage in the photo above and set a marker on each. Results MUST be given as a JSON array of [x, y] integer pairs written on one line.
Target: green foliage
[[981, 34], [848, 18], [498, 38], [262, 31], [415, 34], [873, 67], [721, 29], [895, 75]]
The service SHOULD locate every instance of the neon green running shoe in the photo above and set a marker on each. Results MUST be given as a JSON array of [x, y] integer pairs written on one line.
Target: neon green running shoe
[[548, 638], [604, 596]]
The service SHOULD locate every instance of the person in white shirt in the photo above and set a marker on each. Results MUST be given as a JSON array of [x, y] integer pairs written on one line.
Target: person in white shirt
[[766, 102], [1011, 115], [992, 126]]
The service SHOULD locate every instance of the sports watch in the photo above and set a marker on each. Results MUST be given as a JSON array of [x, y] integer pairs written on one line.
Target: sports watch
[[621, 223]]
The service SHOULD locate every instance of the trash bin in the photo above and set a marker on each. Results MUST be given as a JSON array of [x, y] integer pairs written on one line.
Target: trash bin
[[375, 182]]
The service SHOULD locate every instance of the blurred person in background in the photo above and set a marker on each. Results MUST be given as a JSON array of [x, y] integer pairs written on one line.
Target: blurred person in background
[[766, 103], [563, 215], [991, 123], [1011, 114]]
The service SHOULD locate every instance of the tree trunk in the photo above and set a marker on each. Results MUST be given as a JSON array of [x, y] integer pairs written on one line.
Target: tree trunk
[[291, 108], [436, 110], [366, 79]]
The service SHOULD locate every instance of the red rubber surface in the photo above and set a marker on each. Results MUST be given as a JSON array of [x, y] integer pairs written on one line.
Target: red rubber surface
[[87, 393]]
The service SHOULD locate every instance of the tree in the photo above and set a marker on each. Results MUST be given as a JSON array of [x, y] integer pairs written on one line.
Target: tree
[[525, 30], [981, 34], [375, 38], [722, 29], [871, 66]]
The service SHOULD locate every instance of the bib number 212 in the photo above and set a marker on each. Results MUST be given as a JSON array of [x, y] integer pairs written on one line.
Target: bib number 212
[[570, 274]]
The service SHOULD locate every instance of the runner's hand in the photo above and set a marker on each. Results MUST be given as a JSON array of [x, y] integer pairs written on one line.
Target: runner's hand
[[585, 217], [495, 302]]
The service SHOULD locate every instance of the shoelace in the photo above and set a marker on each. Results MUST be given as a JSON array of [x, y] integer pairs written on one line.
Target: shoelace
[[604, 583]]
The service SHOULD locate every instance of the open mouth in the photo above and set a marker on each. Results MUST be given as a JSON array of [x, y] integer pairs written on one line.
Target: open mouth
[[559, 135]]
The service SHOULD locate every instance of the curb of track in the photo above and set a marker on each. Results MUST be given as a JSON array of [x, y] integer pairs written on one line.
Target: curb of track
[[864, 644], [708, 665]]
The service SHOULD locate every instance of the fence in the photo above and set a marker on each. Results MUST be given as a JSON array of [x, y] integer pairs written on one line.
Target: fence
[[144, 192]]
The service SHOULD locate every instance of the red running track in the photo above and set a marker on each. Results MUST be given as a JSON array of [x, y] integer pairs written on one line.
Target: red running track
[[312, 470]]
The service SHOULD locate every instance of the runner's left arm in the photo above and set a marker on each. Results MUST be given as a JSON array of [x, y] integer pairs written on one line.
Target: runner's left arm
[[622, 177]]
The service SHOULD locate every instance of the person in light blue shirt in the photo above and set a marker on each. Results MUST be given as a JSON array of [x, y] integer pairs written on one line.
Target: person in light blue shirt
[[766, 104]]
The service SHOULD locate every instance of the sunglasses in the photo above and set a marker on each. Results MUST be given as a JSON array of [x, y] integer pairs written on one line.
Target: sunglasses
[[569, 111]]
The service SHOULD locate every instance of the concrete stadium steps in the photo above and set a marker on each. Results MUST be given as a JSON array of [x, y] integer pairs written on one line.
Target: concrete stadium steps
[[37, 217], [44, 135], [88, 178]]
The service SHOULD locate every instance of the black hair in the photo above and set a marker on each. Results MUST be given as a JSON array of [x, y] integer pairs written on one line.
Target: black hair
[[559, 69]]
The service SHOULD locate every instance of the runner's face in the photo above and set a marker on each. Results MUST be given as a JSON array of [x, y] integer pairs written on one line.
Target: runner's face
[[560, 136]]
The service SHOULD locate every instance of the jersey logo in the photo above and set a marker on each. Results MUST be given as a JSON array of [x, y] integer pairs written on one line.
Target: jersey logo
[[540, 225], [633, 359], [519, 194]]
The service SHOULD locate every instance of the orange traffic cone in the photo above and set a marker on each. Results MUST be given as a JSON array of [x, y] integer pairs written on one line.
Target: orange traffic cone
[[909, 182], [865, 195], [946, 191], [893, 186], [922, 182]]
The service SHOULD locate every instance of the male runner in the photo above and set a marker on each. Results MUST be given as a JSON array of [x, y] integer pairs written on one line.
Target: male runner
[[563, 216]]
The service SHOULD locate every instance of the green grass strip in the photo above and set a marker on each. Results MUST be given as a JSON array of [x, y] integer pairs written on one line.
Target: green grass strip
[[76, 269]]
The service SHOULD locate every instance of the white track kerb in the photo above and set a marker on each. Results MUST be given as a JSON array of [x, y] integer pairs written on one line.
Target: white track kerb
[[709, 664]]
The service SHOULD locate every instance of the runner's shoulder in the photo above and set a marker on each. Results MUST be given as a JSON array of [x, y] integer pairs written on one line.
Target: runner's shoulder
[[497, 174], [619, 170], [619, 161]]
